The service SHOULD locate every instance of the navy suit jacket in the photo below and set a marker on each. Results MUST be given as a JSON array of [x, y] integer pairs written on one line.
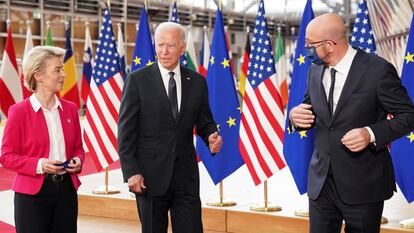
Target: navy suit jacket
[[372, 91], [150, 141]]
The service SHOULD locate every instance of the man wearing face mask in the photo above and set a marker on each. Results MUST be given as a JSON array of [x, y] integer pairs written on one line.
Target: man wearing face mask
[[349, 96]]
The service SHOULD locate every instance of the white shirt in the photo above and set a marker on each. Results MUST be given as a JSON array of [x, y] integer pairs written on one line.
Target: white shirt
[[342, 70], [166, 78], [54, 128]]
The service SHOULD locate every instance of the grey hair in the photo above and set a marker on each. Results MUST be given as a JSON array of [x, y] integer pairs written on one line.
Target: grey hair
[[36, 60], [170, 25]]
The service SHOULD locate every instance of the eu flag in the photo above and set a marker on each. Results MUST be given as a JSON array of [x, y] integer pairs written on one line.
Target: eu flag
[[224, 105], [402, 150], [144, 50], [299, 145]]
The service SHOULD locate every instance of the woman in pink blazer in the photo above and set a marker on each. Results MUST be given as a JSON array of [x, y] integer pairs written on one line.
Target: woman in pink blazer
[[42, 143]]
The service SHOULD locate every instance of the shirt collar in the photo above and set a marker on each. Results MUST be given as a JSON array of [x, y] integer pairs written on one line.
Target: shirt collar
[[36, 105], [164, 72], [344, 65]]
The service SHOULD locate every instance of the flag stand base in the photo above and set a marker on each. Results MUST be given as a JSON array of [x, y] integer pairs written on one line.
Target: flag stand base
[[220, 203], [384, 220], [106, 190], [265, 207], [407, 223], [302, 213]]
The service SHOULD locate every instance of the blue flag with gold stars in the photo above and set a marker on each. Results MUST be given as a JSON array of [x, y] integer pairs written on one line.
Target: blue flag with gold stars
[[224, 105], [402, 150], [298, 146], [144, 50]]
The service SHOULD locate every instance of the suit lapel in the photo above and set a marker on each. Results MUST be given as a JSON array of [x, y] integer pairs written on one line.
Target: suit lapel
[[159, 87], [321, 104], [185, 88], [356, 72]]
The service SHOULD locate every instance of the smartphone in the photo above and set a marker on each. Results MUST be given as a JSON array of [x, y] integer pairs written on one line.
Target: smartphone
[[66, 163]]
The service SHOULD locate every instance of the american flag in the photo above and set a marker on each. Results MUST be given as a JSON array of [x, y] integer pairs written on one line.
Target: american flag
[[362, 36], [263, 121], [102, 106]]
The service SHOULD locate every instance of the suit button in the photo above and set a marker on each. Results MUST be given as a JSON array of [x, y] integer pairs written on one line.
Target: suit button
[[331, 128]]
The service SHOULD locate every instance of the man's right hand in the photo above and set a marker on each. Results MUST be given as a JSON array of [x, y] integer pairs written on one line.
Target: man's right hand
[[302, 116], [136, 183]]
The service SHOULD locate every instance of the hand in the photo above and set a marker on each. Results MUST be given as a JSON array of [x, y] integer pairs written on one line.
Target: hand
[[136, 183], [74, 166], [48, 166], [356, 139], [302, 116], [215, 142]]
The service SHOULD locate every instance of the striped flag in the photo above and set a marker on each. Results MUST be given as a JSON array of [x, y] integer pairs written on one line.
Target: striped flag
[[144, 53], [28, 46], [49, 40], [10, 84], [102, 106], [70, 89], [362, 35], [262, 121], [204, 54], [282, 73], [190, 53], [87, 64], [244, 66], [121, 51]]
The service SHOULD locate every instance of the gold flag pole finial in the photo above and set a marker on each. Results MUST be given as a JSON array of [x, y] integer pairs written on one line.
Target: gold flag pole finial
[[108, 2], [8, 23], [67, 24]]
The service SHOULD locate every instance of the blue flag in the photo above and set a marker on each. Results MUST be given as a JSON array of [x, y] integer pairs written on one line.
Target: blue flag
[[402, 150], [362, 36], [144, 50], [299, 145], [176, 19], [224, 105]]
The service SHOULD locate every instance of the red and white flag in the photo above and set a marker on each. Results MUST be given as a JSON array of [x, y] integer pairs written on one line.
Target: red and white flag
[[262, 122], [10, 84], [104, 99]]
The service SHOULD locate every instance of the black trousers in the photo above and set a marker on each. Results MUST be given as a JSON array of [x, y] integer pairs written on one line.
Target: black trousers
[[327, 212], [185, 209], [53, 210]]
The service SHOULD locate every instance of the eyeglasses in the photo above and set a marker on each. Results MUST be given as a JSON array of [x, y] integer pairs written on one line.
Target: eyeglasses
[[321, 42]]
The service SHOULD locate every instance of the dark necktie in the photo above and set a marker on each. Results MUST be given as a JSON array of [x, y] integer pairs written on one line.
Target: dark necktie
[[172, 95], [331, 90]]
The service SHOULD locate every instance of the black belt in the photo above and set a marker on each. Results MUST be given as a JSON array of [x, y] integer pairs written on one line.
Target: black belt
[[55, 177]]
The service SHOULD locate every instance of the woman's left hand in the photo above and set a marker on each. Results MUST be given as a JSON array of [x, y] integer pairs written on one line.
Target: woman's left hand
[[74, 166]]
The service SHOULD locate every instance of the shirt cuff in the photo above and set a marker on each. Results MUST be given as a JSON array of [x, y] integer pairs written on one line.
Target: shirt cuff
[[371, 134], [78, 160], [39, 169]]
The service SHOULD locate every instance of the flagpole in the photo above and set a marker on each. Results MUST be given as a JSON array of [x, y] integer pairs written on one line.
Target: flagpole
[[266, 206], [107, 189], [222, 202]]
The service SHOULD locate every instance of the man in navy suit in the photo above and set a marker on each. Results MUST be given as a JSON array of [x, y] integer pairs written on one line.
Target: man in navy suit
[[161, 104], [349, 96]]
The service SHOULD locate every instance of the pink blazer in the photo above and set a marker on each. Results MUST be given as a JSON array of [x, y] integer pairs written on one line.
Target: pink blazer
[[26, 140]]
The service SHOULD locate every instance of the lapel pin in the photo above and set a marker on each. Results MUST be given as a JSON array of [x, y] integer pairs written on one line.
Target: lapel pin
[[69, 121]]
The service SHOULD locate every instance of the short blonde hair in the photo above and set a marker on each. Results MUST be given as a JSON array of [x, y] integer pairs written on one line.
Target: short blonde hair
[[36, 60]]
